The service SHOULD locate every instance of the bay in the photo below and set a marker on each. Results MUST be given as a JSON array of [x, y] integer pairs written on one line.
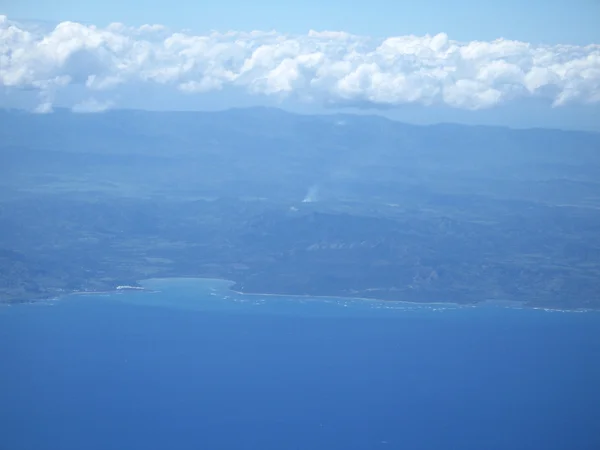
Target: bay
[[189, 364]]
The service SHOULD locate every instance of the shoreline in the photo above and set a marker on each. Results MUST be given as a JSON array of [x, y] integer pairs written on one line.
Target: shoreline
[[510, 304], [499, 304], [138, 286], [53, 297], [362, 299]]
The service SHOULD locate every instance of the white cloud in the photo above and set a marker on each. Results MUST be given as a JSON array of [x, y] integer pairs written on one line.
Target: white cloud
[[327, 67], [43, 108], [92, 105]]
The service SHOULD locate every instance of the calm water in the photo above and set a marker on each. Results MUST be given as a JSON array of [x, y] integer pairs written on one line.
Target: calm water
[[197, 367]]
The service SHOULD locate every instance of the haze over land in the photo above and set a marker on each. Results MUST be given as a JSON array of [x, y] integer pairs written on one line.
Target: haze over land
[[340, 205]]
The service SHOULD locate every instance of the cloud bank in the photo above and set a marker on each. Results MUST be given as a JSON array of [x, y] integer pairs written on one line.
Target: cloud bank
[[328, 68]]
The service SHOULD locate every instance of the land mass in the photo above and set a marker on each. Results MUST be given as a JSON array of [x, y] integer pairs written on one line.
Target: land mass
[[339, 205]]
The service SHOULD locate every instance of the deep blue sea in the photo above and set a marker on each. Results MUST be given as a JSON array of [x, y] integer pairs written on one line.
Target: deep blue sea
[[195, 366]]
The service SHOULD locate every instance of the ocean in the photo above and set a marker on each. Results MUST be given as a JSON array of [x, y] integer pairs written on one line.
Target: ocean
[[192, 365]]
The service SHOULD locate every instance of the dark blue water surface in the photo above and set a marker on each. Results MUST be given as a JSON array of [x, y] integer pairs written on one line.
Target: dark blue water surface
[[195, 366]]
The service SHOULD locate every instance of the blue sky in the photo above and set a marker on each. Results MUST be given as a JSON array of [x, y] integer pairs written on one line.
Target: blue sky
[[536, 21], [518, 63]]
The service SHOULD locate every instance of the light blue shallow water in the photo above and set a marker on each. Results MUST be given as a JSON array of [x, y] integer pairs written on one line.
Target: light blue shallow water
[[194, 366]]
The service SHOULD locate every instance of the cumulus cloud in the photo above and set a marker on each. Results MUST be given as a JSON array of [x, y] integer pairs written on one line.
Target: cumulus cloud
[[92, 105], [44, 107], [326, 67]]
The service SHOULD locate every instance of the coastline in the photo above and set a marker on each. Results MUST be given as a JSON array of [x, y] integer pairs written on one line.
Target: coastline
[[138, 286], [362, 299], [508, 304], [53, 296]]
